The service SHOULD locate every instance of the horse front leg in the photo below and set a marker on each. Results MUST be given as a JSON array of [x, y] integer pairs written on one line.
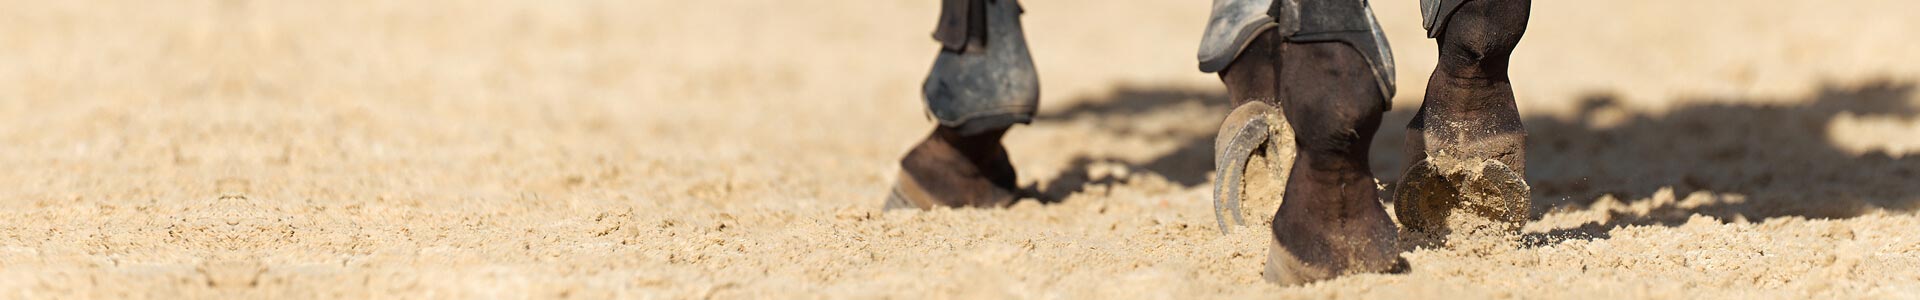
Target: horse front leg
[[1313, 108]]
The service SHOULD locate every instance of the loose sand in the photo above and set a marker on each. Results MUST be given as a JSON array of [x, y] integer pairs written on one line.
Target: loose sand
[[741, 149]]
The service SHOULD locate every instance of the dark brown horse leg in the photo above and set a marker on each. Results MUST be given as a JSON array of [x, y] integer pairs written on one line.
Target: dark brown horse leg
[[982, 83], [1321, 101], [1466, 144], [1331, 221]]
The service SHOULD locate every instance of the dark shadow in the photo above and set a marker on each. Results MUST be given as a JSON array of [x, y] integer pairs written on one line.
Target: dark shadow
[[1748, 159], [1187, 165], [1071, 180], [1128, 101], [1753, 159]]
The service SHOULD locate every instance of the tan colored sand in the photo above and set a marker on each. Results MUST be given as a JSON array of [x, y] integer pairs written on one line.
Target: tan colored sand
[[741, 149]]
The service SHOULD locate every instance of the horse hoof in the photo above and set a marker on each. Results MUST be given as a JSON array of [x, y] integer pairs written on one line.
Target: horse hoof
[[1286, 269], [1433, 190], [1250, 127], [907, 194], [952, 170]]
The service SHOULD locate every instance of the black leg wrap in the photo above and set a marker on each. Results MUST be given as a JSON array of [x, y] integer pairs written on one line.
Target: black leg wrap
[[989, 87], [962, 23]]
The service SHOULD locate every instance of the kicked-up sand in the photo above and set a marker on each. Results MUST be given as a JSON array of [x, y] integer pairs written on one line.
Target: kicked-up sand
[[742, 149]]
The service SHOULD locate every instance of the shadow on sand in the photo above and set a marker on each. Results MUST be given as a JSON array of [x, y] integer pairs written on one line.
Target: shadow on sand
[[1733, 159], [1749, 159], [1187, 165]]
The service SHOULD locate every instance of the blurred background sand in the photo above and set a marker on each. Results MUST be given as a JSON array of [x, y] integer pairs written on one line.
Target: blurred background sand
[[741, 149]]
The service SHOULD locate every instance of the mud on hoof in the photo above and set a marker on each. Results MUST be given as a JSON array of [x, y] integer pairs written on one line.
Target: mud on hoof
[[1253, 131], [1434, 190]]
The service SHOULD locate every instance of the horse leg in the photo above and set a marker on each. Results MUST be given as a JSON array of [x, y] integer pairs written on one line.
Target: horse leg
[[1325, 105], [1466, 144], [982, 83], [1330, 222]]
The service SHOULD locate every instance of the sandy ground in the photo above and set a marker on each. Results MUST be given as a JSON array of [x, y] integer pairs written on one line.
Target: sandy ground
[[741, 149]]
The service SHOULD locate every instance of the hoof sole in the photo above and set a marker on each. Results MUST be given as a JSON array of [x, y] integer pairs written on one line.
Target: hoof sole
[[1250, 127]]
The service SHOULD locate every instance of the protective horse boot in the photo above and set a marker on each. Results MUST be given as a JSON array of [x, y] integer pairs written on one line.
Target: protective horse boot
[[1466, 144], [982, 83], [1308, 80]]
